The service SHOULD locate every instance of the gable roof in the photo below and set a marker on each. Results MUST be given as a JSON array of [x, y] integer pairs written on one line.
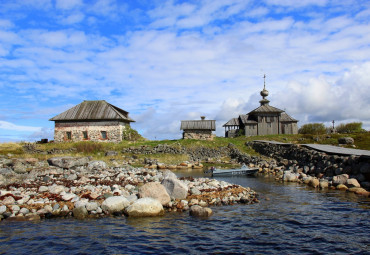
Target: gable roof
[[93, 110], [246, 119], [198, 124], [266, 109], [287, 118], [232, 122]]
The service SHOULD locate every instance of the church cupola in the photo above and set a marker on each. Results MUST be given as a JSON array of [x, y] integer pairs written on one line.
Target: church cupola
[[264, 93]]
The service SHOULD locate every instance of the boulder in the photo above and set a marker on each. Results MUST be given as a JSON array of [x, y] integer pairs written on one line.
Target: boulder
[[199, 211], [340, 179], [19, 167], [175, 188], [324, 184], [290, 177], [314, 183], [351, 183], [346, 140], [155, 190], [92, 206], [80, 212], [114, 204], [145, 207], [359, 191], [342, 187], [96, 165], [67, 162]]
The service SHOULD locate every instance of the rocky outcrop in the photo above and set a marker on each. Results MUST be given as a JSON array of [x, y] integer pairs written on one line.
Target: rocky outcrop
[[155, 190]]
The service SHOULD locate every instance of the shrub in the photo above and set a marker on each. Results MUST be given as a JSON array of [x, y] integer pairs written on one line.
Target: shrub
[[313, 129], [353, 127], [89, 147], [131, 134]]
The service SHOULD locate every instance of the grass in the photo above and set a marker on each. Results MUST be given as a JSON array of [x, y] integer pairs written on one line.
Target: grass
[[97, 150]]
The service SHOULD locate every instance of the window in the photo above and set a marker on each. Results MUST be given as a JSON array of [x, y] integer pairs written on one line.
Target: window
[[69, 135], [104, 135], [84, 134]]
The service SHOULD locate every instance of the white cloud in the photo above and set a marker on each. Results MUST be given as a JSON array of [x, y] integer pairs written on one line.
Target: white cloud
[[68, 4], [11, 126]]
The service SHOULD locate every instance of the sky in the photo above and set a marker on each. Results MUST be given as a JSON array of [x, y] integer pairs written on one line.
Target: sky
[[167, 61]]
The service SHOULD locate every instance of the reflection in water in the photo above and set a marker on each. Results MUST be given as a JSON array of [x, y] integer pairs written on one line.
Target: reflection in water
[[289, 219]]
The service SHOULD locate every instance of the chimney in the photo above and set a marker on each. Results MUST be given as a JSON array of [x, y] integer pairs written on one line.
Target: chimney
[[202, 117]]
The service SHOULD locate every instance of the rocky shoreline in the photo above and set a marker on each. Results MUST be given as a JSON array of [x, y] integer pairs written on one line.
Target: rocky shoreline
[[84, 188]]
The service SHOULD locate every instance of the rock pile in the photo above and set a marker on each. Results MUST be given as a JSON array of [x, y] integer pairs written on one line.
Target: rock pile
[[82, 187], [293, 163]]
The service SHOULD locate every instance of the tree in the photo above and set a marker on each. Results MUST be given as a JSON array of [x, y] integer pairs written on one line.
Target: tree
[[313, 129], [353, 127]]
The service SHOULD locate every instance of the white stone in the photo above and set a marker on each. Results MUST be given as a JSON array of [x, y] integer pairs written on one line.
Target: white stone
[[145, 207], [2, 209], [92, 206], [114, 204], [43, 189], [56, 189]]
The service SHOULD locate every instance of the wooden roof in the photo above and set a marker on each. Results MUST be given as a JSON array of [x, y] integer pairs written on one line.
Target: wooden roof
[[287, 118], [93, 110], [198, 125], [232, 122], [266, 109]]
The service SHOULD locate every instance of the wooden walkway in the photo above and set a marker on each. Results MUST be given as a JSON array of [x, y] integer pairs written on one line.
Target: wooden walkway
[[330, 149]]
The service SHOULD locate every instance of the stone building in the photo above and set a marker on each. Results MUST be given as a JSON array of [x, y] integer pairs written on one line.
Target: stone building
[[91, 121], [264, 120], [198, 129]]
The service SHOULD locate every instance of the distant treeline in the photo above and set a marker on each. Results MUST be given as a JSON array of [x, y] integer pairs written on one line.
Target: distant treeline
[[319, 128]]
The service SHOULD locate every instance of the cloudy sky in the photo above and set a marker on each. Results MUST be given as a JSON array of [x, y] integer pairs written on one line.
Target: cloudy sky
[[167, 61]]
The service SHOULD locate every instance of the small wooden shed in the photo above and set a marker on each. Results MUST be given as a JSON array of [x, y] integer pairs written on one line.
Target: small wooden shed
[[91, 121], [198, 129]]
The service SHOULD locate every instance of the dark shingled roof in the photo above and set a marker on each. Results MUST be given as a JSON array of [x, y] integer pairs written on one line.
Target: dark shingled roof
[[93, 110], [266, 108], [246, 119], [198, 124], [286, 118]]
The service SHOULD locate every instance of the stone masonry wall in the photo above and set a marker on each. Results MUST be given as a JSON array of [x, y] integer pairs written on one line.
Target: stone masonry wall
[[198, 134], [315, 163], [113, 129]]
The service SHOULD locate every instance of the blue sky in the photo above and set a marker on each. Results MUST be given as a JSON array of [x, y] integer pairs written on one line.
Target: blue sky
[[167, 61]]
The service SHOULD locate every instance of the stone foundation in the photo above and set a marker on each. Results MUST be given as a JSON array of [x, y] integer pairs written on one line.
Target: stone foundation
[[198, 134]]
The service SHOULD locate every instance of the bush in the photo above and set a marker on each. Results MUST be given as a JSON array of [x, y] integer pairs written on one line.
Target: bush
[[130, 134], [313, 129], [353, 127], [89, 147]]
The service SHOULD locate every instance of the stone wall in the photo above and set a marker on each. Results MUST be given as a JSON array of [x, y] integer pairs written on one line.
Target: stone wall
[[315, 163], [198, 134], [112, 129]]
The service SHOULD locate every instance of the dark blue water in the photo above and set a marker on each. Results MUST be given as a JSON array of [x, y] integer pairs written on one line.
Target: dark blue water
[[290, 219]]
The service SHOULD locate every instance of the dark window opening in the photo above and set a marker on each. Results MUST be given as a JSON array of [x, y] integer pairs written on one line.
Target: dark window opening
[[69, 135], [84, 133], [104, 135]]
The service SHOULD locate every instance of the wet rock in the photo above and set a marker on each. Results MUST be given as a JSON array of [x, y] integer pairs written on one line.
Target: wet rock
[[340, 179], [359, 191], [175, 188], [351, 183], [155, 190], [290, 177], [324, 184], [80, 212], [114, 204], [199, 211], [342, 187], [314, 183], [145, 207]]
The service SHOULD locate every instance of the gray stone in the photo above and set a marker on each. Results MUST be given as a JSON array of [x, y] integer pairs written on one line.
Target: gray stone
[[92, 206], [145, 207], [72, 177], [80, 212], [19, 168], [175, 188], [24, 211], [96, 165], [155, 190], [15, 208], [340, 179], [290, 177], [111, 153], [43, 189], [67, 162], [346, 140], [56, 189], [365, 169], [195, 191], [199, 211], [2, 209], [114, 204]]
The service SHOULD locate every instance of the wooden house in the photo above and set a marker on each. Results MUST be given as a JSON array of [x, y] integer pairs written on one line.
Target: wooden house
[[91, 121], [198, 129], [264, 120]]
